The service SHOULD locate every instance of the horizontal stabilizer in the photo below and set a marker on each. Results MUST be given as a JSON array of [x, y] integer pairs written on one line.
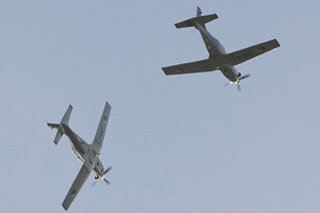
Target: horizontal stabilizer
[[53, 126], [59, 127], [199, 19], [59, 132], [66, 116], [58, 137]]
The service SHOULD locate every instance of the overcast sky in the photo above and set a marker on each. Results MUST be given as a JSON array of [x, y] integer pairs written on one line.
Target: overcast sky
[[177, 144]]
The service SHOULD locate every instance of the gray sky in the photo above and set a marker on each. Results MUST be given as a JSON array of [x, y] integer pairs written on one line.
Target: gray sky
[[177, 144]]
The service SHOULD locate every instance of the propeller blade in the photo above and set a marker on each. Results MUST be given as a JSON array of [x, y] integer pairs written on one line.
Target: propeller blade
[[244, 77], [107, 170], [94, 183], [239, 88], [107, 182]]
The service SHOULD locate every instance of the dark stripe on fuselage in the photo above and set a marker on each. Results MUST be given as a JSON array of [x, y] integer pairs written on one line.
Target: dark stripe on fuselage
[[74, 140]]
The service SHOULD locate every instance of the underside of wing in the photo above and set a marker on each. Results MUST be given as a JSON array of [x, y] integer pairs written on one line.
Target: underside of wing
[[192, 67], [76, 186], [246, 54], [98, 139]]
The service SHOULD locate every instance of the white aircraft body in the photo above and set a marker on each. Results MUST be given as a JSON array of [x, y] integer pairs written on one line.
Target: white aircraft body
[[87, 153], [218, 58]]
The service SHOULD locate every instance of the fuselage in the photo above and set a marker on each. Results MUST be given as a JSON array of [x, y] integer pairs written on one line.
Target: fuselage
[[216, 54], [80, 147]]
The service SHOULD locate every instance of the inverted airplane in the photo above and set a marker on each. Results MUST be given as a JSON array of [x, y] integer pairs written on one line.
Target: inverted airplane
[[88, 154], [218, 58]]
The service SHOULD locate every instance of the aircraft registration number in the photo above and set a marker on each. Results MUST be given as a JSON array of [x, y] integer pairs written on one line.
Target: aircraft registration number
[[245, 56]]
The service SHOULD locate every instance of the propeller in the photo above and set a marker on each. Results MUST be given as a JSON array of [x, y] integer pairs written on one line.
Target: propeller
[[106, 181], [241, 78], [102, 177], [238, 82], [238, 85], [94, 183], [244, 77], [105, 172]]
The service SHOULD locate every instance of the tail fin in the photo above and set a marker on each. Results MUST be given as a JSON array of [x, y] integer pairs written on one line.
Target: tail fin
[[199, 12], [202, 20], [59, 127]]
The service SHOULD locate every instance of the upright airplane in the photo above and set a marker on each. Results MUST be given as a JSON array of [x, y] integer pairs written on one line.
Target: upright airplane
[[218, 58], [87, 153]]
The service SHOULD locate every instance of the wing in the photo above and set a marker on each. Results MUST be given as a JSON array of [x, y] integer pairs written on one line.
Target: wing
[[98, 139], [76, 186], [192, 67], [246, 54]]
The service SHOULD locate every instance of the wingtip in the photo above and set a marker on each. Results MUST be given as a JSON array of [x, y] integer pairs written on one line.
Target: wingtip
[[65, 207], [107, 104], [276, 42], [164, 70], [50, 125]]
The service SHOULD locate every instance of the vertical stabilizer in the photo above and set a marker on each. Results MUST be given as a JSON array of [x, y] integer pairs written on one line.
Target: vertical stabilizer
[[199, 11]]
